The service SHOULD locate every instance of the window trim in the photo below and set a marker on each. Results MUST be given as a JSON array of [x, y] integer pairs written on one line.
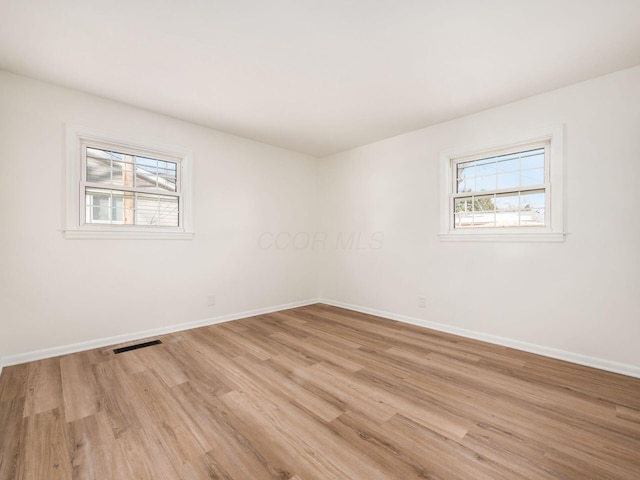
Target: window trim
[[78, 137], [552, 139]]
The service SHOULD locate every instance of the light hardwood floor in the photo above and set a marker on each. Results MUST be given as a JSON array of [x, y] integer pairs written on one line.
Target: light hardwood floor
[[316, 393]]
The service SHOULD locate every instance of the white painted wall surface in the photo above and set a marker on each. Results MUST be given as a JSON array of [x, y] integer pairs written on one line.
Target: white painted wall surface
[[373, 217], [56, 292], [580, 296]]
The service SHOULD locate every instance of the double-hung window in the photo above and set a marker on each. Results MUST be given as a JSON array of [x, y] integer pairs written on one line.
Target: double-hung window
[[512, 192], [120, 189]]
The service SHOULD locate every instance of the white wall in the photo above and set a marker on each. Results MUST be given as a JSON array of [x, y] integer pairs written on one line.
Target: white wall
[[581, 296], [56, 292], [378, 206]]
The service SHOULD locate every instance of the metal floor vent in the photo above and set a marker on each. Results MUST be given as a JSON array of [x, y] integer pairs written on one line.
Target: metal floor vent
[[136, 346]]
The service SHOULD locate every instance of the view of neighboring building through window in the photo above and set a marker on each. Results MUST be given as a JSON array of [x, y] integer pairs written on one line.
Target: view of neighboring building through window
[[125, 189], [505, 190]]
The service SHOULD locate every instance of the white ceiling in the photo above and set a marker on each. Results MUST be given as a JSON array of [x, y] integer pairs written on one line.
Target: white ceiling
[[318, 76]]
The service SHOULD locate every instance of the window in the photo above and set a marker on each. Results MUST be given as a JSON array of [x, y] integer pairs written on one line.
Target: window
[[120, 189], [507, 193]]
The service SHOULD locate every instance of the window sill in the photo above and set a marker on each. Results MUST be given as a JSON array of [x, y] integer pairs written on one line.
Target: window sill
[[97, 234], [502, 237]]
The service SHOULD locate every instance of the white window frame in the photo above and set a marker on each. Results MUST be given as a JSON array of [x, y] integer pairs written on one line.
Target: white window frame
[[553, 231], [77, 139]]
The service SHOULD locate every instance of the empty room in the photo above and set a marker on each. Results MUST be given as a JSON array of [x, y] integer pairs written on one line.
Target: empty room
[[320, 240]]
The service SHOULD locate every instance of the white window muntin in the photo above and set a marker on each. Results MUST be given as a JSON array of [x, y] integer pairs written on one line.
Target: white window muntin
[[75, 174], [522, 148], [129, 151], [554, 172]]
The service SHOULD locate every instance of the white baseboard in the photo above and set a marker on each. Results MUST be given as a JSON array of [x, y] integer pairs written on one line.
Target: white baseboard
[[600, 363], [128, 337]]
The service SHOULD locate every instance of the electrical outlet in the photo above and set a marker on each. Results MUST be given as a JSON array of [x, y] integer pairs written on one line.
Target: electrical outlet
[[422, 301], [211, 300]]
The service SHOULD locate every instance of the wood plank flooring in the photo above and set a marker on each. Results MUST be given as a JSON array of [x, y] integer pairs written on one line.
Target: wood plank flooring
[[316, 392]]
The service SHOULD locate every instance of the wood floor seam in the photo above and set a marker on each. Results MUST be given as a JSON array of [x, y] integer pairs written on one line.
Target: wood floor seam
[[316, 393]]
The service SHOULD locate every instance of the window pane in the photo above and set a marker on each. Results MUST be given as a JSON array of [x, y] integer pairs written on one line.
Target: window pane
[[518, 209], [98, 170], [99, 208], [156, 174], [532, 200], [483, 203], [121, 170], [146, 173], [533, 177], [510, 174], [532, 206], [507, 210], [469, 185], [486, 182], [147, 211], [127, 208], [463, 205], [508, 164], [463, 213], [484, 211], [485, 167], [117, 209], [533, 159], [168, 177], [127, 211], [108, 168], [507, 202], [466, 170], [532, 218], [108, 206], [509, 180], [168, 215], [509, 171], [157, 210], [463, 220]]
